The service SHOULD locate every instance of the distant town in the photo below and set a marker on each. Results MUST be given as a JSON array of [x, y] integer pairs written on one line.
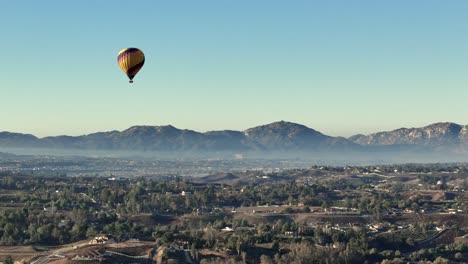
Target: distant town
[[74, 166]]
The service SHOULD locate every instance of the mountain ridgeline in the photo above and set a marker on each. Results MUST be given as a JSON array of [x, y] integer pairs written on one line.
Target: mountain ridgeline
[[279, 137], [276, 136], [438, 134]]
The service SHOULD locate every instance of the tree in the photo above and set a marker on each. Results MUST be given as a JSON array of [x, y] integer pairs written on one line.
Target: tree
[[275, 246], [8, 260], [410, 241], [397, 253], [264, 259], [302, 253], [244, 256], [441, 260], [91, 231], [325, 205]]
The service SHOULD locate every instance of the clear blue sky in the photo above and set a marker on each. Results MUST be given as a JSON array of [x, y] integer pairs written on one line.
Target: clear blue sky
[[341, 67]]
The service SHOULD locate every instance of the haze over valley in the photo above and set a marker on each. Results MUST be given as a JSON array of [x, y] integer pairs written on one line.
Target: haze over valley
[[438, 142]]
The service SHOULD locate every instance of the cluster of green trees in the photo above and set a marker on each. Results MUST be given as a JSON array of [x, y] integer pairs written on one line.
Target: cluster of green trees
[[59, 209]]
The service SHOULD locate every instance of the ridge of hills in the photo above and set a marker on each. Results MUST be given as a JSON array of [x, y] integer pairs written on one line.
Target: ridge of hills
[[435, 134], [277, 136]]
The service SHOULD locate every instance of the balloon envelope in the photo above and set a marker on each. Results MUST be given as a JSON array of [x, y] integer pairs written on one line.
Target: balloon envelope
[[130, 61]]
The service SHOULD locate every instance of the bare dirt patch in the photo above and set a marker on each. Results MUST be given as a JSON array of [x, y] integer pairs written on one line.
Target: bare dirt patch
[[212, 253], [18, 249], [132, 248]]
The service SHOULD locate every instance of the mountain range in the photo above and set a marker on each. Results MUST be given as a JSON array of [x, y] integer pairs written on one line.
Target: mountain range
[[438, 134], [275, 137]]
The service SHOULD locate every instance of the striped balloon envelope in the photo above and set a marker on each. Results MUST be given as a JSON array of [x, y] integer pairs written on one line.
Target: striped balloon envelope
[[130, 61]]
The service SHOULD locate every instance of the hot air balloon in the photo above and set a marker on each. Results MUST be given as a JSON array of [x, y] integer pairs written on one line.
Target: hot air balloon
[[130, 61]]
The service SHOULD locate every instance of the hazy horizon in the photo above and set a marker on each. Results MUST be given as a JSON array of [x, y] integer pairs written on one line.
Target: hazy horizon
[[339, 67], [218, 129]]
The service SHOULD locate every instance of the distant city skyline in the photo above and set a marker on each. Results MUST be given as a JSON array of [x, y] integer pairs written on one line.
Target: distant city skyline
[[339, 67]]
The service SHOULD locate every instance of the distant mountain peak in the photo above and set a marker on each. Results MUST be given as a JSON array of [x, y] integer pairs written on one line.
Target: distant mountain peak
[[284, 135], [144, 127], [281, 127], [441, 133]]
